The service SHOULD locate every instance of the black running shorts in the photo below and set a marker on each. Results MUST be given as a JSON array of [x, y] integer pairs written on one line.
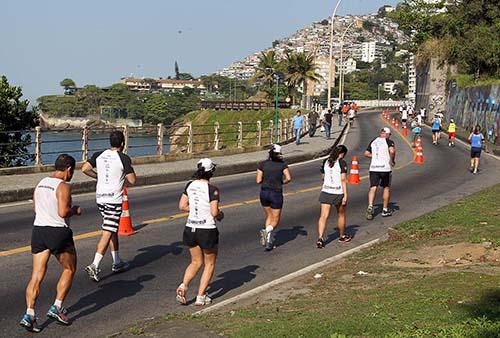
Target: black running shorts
[[55, 239], [272, 199], [382, 178], [333, 199], [204, 238], [475, 152]]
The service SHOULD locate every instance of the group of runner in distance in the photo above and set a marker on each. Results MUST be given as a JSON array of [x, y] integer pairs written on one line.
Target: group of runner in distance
[[53, 207]]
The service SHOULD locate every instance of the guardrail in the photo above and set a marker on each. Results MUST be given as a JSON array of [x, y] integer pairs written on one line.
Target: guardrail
[[160, 140]]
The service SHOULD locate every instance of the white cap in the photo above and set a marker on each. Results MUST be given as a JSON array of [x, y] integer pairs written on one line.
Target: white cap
[[386, 130], [207, 164], [276, 148]]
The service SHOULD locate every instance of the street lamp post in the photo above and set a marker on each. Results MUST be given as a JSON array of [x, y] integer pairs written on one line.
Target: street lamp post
[[276, 112], [329, 103], [341, 67]]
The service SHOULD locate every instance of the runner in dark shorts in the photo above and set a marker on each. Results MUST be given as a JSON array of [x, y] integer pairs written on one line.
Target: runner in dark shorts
[[272, 174]]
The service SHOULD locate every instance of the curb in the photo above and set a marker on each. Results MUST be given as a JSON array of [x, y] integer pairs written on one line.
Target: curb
[[286, 278]]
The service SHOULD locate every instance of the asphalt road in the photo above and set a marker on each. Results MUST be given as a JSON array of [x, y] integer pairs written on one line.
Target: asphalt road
[[158, 259]]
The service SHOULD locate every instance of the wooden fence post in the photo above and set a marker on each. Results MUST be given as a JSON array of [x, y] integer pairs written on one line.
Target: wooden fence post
[[290, 137], [85, 143], [159, 139], [125, 133], [280, 130], [271, 131], [285, 130], [216, 135], [240, 135], [38, 146], [259, 133], [190, 137]]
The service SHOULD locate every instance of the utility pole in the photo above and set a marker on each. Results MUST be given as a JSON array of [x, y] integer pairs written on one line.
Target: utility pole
[[329, 103]]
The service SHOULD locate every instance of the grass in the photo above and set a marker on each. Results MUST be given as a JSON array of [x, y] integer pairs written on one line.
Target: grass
[[468, 80]]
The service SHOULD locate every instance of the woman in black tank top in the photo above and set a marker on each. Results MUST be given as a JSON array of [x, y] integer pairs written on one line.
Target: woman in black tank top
[[272, 174]]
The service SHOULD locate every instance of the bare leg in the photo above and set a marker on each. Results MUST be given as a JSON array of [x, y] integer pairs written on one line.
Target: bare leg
[[40, 261], [323, 218], [102, 246], [113, 243], [267, 215], [371, 195], [68, 263], [274, 217], [341, 219], [194, 266], [386, 197], [210, 256]]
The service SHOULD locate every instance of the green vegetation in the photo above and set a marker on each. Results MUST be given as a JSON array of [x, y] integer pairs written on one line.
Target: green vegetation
[[406, 292], [467, 32], [14, 116]]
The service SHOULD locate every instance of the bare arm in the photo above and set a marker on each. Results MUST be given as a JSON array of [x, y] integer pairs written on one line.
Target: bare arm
[[343, 178], [88, 170], [214, 208], [259, 177], [184, 203], [392, 154], [131, 178], [288, 176], [368, 154], [64, 208]]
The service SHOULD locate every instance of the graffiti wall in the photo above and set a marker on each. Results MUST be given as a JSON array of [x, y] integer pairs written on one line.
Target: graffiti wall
[[476, 105]]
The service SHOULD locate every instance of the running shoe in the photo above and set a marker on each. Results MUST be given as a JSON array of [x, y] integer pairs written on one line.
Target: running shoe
[[263, 234], [58, 314], [202, 300], [320, 243], [369, 213], [120, 266], [345, 238], [270, 241], [29, 323], [181, 294], [386, 213], [93, 272]]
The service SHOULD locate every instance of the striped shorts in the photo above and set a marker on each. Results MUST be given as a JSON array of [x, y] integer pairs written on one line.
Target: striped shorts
[[111, 216]]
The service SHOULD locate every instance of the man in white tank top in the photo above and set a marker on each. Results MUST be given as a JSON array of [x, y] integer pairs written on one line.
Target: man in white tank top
[[52, 235], [382, 152]]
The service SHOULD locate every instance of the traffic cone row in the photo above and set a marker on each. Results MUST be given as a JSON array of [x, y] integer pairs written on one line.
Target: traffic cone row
[[419, 158], [354, 173], [405, 130], [125, 227]]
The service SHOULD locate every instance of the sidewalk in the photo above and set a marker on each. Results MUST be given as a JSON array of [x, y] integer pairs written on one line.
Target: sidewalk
[[20, 187]]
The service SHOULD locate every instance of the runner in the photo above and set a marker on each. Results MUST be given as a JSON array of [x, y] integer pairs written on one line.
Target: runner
[[436, 129], [416, 131], [298, 122], [52, 235], [404, 117], [382, 152], [333, 192], [113, 167], [328, 123], [322, 119], [313, 121], [352, 115], [452, 133], [201, 200], [272, 174], [476, 140]]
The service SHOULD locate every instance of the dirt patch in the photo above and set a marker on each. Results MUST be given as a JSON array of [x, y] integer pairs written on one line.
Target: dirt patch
[[447, 255]]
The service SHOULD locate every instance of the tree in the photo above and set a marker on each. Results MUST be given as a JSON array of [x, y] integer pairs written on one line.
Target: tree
[[176, 69], [267, 67], [300, 68], [15, 119], [68, 85], [185, 76]]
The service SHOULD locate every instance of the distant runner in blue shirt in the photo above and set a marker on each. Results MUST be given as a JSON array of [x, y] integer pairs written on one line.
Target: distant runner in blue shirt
[[298, 122], [476, 140], [436, 129]]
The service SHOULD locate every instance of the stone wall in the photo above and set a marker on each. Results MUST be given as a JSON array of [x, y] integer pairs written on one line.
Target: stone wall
[[431, 86]]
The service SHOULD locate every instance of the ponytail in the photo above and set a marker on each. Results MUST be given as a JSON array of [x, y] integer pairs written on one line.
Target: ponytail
[[335, 153]]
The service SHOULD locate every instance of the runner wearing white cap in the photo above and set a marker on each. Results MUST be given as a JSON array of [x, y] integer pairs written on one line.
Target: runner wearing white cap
[[271, 175], [201, 200], [382, 152]]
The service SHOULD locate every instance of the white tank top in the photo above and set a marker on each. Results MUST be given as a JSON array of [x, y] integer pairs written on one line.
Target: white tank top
[[332, 183], [200, 195], [380, 155], [46, 204]]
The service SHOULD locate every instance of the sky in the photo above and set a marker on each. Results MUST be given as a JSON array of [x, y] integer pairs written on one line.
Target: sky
[[100, 41]]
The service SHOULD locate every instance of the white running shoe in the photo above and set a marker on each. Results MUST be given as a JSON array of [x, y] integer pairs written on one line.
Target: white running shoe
[[202, 300], [181, 294]]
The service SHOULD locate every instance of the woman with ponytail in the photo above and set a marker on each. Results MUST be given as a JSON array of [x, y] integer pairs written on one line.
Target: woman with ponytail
[[333, 192], [272, 174], [201, 200]]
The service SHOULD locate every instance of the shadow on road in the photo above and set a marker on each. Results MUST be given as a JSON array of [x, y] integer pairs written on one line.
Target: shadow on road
[[378, 208], [284, 236], [231, 280], [350, 230]]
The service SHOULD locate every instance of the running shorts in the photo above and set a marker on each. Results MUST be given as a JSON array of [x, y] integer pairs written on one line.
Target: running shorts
[[382, 178], [273, 199], [111, 214], [55, 239], [204, 238], [452, 134], [332, 199], [475, 152], [403, 120], [435, 131]]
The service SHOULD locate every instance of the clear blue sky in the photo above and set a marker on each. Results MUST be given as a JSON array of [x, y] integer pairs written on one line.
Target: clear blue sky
[[97, 42]]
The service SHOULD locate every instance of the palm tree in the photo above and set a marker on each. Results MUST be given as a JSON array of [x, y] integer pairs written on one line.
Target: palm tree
[[300, 68], [267, 67]]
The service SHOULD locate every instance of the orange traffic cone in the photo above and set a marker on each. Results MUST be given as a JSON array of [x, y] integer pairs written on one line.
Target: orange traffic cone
[[354, 174], [418, 142], [405, 131], [125, 228], [396, 124], [419, 159]]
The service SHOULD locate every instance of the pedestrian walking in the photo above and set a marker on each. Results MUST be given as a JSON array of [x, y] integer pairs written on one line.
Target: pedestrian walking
[[201, 199], [436, 129], [477, 142], [452, 133], [52, 235], [382, 152], [352, 115], [272, 174], [333, 193], [111, 168], [313, 117], [328, 123], [298, 123]]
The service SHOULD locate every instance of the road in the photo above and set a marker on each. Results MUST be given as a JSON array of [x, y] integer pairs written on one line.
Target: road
[[158, 259]]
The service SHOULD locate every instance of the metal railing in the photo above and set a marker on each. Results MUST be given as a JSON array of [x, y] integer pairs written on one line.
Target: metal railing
[[156, 140]]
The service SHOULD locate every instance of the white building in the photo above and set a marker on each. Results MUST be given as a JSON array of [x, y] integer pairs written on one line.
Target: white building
[[412, 79], [322, 68], [368, 51], [389, 86], [348, 66]]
